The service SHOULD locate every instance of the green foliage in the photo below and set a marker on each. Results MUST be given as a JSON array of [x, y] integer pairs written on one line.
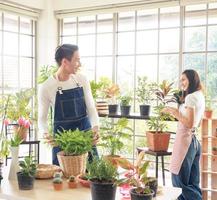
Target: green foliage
[[28, 166], [16, 141], [214, 148], [112, 135], [45, 72], [71, 179], [178, 94], [145, 90], [101, 171], [74, 142], [57, 180], [4, 147], [126, 99]]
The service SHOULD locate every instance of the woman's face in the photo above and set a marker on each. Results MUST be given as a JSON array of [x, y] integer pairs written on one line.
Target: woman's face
[[184, 82]]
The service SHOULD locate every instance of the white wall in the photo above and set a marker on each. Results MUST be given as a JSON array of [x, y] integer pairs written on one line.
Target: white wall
[[38, 4]]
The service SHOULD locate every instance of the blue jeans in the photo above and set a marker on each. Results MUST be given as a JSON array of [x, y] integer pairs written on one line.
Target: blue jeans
[[189, 175]]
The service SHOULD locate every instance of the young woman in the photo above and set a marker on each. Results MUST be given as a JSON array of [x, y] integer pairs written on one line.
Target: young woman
[[187, 150]]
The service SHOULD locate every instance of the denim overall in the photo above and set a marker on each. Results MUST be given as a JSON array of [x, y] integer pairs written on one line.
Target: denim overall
[[70, 113]]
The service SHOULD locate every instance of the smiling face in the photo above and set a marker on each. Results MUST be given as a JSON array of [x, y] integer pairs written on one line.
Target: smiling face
[[184, 82]]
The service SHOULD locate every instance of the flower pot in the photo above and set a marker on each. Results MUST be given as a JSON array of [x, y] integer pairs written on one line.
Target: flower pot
[[158, 141], [214, 152], [125, 110], [153, 184], [208, 114], [125, 190], [21, 132], [83, 182], [72, 184], [144, 110], [113, 108], [72, 165], [136, 196], [58, 186], [102, 191], [14, 168], [25, 182]]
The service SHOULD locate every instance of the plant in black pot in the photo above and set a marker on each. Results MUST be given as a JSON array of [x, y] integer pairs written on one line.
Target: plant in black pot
[[102, 175], [125, 104], [26, 176], [145, 94]]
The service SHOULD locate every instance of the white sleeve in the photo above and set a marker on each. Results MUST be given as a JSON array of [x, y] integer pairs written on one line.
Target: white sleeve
[[89, 101], [190, 101], [43, 107]]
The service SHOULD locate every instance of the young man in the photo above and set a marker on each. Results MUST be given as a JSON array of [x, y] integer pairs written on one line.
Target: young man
[[70, 96]]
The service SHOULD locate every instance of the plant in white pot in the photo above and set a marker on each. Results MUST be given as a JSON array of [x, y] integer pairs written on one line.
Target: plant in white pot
[[75, 146], [145, 94]]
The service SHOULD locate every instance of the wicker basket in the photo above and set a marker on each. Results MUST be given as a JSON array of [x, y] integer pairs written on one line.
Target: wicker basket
[[46, 171], [72, 165]]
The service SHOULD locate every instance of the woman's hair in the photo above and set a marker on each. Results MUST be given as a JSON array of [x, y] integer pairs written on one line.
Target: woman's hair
[[194, 81], [65, 51]]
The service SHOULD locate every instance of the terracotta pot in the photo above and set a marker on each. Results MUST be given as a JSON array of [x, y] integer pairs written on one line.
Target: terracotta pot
[[58, 186], [158, 141], [208, 114], [214, 152], [112, 159], [83, 182], [72, 184]]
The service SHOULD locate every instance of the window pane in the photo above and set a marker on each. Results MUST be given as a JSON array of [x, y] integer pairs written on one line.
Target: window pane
[[25, 45], [169, 68], [104, 44], [88, 66], [147, 41], [212, 38], [25, 72], [25, 25], [195, 18], [10, 43], [126, 43], [147, 66], [86, 45], [69, 26], [104, 67], [105, 23], [69, 40], [10, 22], [196, 62], [169, 17], [212, 17], [195, 39], [169, 40], [126, 21], [147, 19], [195, 7], [10, 75], [86, 25], [125, 71]]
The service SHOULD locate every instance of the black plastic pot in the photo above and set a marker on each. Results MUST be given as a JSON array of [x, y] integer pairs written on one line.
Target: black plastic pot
[[153, 185], [25, 182], [125, 110], [144, 110], [102, 191], [136, 196], [113, 108]]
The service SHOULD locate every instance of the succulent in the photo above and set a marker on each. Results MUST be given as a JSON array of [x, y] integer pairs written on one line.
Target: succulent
[[71, 179], [57, 180]]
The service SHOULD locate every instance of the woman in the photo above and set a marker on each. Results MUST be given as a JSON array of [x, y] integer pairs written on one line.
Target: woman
[[69, 93], [187, 150]]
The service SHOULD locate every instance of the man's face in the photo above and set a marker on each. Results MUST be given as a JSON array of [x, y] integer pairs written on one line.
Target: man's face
[[71, 66]]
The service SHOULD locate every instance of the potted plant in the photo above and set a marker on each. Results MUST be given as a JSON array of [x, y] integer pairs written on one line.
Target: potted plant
[[83, 180], [26, 176], [214, 150], [72, 182], [113, 136], [102, 175], [145, 95], [125, 104], [208, 110], [14, 147], [45, 72], [74, 145], [58, 181], [158, 137]]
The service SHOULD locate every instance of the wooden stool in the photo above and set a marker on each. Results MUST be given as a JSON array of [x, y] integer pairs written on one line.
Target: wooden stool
[[156, 154]]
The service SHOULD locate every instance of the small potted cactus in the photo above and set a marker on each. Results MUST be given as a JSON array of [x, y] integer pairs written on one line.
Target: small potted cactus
[[72, 182], [57, 181], [214, 150]]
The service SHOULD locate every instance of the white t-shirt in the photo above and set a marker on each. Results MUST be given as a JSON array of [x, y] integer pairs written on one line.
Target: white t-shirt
[[47, 97], [194, 100]]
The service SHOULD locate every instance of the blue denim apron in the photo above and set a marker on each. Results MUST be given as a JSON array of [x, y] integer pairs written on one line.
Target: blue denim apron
[[70, 113]]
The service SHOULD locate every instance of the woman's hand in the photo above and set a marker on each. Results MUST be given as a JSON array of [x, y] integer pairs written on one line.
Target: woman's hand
[[95, 130]]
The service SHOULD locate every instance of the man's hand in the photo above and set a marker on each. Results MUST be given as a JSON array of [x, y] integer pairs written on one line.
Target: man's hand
[[49, 139], [95, 130]]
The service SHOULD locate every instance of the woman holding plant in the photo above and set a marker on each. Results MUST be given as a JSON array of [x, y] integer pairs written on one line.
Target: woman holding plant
[[70, 96], [187, 149]]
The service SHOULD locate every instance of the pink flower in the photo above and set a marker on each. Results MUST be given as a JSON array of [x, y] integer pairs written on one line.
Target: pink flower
[[6, 122], [26, 124], [21, 121]]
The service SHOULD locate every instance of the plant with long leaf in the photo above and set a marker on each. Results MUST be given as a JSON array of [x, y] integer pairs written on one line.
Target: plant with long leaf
[[45, 72], [28, 166]]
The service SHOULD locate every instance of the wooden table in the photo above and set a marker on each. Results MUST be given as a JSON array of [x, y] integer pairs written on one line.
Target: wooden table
[[43, 190]]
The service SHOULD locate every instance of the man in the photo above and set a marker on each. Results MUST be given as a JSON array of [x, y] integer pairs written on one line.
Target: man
[[70, 96]]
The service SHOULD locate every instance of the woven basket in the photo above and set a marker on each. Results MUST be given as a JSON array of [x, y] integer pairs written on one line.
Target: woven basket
[[72, 165], [46, 171]]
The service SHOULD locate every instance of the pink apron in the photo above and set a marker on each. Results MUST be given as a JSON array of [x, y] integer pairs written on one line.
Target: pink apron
[[180, 148]]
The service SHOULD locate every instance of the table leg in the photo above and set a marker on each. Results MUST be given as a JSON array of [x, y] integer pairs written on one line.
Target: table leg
[[163, 173]]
